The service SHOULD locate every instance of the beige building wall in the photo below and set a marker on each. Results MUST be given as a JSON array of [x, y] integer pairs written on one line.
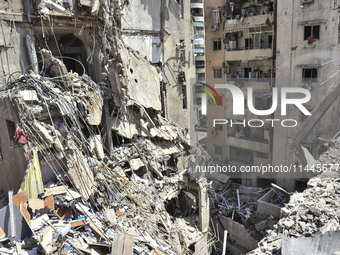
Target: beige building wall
[[294, 54], [214, 58], [179, 66]]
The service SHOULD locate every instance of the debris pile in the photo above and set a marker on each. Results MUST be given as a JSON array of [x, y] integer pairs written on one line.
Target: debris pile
[[313, 212], [239, 203], [67, 7], [96, 200]]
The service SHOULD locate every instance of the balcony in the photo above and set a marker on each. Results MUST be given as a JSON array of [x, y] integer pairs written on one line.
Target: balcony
[[199, 43], [196, 4], [200, 70], [235, 25], [199, 24], [198, 17], [249, 144], [200, 58], [262, 52]]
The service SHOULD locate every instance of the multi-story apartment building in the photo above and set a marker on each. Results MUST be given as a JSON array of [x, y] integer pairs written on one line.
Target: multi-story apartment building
[[240, 50], [197, 12], [308, 56]]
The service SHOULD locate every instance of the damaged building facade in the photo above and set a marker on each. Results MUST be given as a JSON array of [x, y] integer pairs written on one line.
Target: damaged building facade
[[92, 159], [242, 53], [308, 57], [163, 31]]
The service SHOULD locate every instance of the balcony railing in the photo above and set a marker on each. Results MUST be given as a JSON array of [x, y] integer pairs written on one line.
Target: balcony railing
[[251, 47]]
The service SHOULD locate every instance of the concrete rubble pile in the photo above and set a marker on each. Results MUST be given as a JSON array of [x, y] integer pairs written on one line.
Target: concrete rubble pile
[[312, 213], [98, 201], [239, 203]]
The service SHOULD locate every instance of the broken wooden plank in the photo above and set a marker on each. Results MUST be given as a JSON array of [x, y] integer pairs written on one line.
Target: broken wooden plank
[[77, 223], [128, 245], [58, 190], [2, 233], [20, 198], [97, 231], [118, 245]]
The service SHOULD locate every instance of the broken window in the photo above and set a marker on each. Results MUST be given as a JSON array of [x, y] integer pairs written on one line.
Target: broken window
[[218, 44], [11, 129], [182, 51], [312, 31], [181, 77], [218, 73], [218, 150], [216, 19], [309, 74], [184, 96]]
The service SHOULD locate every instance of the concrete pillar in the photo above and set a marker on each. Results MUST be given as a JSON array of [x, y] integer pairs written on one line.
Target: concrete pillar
[[204, 208]]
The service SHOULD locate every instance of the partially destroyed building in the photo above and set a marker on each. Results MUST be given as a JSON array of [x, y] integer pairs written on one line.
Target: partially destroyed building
[[307, 57], [163, 31], [242, 52], [90, 162]]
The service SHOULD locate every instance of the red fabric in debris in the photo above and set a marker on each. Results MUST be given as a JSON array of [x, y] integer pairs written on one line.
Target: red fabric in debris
[[20, 136], [311, 40]]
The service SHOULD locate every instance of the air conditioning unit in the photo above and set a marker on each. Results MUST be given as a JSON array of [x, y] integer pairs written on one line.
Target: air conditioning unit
[[307, 86], [306, 1]]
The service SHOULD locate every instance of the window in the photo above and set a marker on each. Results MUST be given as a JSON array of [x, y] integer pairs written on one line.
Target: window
[[11, 129], [218, 73], [241, 155], [184, 96], [201, 76], [218, 127], [309, 74], [262, 155], [218, 44], [312, 31], [216, 19], [182, 51], [200, 64], [218, 150]]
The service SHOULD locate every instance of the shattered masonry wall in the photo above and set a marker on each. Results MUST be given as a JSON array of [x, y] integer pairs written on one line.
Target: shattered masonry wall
[[145, 34]]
